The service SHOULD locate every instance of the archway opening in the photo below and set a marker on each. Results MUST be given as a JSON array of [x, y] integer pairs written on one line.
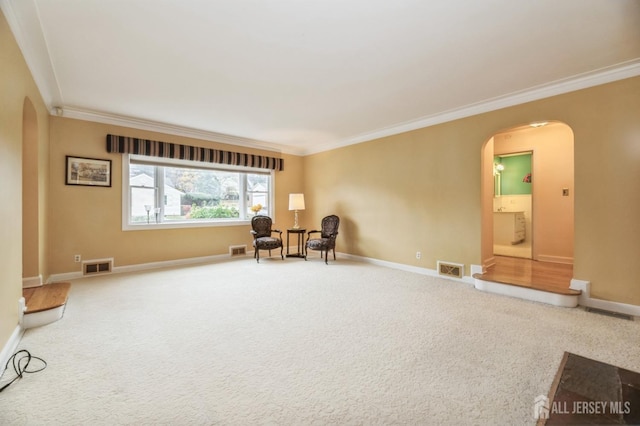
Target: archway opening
[[531, 216]]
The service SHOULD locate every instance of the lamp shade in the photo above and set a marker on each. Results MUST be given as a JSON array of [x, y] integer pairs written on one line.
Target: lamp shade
[[296, 201]]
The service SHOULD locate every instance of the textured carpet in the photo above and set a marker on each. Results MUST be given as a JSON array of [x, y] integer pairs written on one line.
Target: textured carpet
[[295, 343]]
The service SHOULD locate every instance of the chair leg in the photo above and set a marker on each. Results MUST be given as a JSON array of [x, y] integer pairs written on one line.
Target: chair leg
[[257, 255], [281, 252], [334, 253], [326, 257]]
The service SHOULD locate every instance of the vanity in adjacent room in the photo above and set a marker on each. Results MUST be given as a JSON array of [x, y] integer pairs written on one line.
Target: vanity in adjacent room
[[508, 228]]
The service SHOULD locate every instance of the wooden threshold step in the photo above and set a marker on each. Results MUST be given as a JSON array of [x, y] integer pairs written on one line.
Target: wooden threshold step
[[550, 288], [48, 296], [567, 298]]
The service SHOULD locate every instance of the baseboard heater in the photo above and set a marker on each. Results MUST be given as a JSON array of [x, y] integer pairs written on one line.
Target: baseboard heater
[[97, 266], [609, 313]]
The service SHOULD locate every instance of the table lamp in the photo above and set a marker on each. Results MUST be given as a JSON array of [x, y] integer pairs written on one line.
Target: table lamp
[[296, 202]]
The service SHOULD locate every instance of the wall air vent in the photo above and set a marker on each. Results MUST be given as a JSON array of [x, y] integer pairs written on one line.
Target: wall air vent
[[238, 250], [97, 266], [448, 269]]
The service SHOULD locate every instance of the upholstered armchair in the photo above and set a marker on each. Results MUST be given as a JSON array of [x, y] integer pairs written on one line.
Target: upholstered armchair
[[326, 240], [263, 238]]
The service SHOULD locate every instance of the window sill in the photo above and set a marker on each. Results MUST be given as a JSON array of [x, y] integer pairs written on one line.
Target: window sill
[[182, 225]]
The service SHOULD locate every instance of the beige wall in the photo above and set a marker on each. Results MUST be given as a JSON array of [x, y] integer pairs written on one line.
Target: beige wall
[[552, 170], [418, 191], [88, 220], [30, 225], [17, 90], [421, 190]]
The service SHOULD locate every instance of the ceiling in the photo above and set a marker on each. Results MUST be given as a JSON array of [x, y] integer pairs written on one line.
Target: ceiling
[[301, 76]]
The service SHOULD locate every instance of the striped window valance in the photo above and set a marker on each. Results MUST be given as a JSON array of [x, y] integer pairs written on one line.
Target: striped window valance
[[127, 145]]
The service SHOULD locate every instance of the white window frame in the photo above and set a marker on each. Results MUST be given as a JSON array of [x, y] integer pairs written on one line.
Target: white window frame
[[127, 225]]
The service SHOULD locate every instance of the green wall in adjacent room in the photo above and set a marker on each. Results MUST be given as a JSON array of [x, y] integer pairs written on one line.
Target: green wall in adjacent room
[[516, 167]]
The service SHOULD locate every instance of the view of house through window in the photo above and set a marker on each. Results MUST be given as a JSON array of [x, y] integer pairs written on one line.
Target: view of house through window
[[176, 193]]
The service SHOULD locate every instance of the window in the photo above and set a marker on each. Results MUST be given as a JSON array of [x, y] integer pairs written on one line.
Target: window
[[161, 193]]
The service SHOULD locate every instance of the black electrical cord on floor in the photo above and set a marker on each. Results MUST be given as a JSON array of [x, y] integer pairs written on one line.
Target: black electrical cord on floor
[[21, 365]]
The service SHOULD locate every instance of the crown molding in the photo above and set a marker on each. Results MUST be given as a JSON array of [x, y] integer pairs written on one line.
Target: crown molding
[[154, 126], [23, 18], [581, 81]]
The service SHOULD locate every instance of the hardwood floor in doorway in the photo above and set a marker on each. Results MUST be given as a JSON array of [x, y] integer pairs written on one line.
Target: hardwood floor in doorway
[[545, 276]]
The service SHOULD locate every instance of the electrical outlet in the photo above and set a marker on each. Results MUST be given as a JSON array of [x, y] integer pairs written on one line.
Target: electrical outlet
[[77, 258], [418, 255]]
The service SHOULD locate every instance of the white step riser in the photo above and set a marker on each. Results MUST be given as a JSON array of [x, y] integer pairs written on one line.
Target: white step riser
[[563, 300], [37, 319]]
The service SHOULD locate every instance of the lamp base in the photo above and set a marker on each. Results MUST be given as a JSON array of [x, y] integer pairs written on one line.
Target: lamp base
[[295, 220]]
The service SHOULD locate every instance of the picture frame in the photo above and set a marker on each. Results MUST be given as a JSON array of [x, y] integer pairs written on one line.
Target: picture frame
[[87, 171]]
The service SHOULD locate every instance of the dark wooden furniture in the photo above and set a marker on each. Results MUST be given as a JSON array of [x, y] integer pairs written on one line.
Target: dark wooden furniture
[[327, 239], [263, 238], [300, 238]]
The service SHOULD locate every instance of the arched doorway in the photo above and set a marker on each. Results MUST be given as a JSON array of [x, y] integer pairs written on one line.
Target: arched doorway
[[30, 201], [549, 208]]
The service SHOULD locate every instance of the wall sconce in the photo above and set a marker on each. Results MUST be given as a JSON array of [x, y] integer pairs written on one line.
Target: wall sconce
[[296, 202]]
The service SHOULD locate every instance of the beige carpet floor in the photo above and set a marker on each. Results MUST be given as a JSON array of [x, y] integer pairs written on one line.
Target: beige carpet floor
[[298, 343]]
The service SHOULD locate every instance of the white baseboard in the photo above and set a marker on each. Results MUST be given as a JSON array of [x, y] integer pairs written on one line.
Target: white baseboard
[[607, 305], [10, 347], [68, 276], [583, 300], [476, 269], [224, 257], [415, 269], [29, 282]]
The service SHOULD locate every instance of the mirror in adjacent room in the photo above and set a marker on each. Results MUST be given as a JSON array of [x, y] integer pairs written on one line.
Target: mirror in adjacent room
[[512, 174], [512, 204]]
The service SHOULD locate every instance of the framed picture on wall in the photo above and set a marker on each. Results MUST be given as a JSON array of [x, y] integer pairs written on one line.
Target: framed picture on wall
[[88, 171]]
